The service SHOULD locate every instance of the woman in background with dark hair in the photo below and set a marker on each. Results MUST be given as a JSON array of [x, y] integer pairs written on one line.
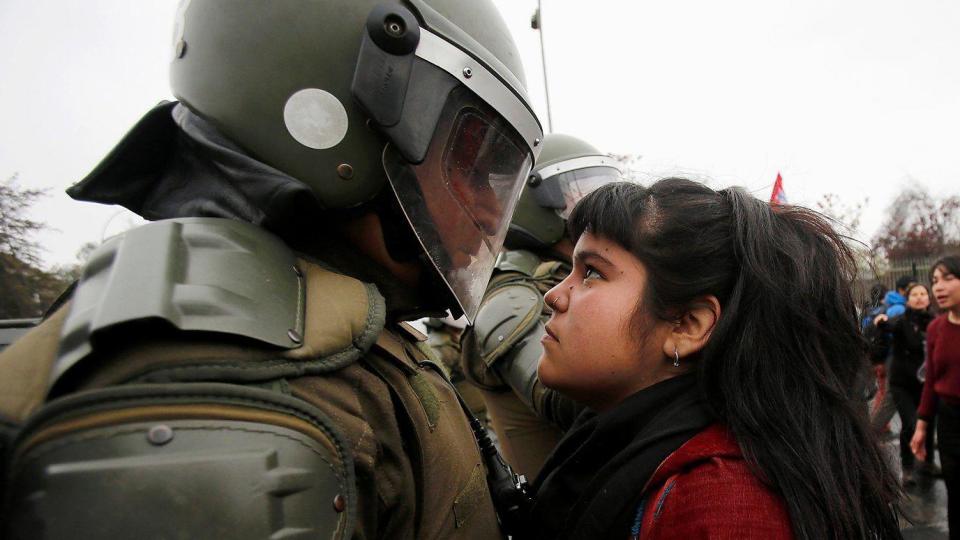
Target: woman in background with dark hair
[[908, 337], [941, 387], [716, 343]]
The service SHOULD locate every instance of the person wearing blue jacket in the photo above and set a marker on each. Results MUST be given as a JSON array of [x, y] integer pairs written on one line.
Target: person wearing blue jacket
[[896, 300]]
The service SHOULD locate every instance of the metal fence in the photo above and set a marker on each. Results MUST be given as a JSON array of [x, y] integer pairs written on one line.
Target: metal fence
[[918, 268]]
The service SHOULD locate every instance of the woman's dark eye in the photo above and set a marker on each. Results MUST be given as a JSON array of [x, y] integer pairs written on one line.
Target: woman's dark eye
[[591, 273]]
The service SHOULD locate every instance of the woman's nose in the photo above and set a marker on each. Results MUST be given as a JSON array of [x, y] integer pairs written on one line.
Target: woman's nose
[[558, 298]]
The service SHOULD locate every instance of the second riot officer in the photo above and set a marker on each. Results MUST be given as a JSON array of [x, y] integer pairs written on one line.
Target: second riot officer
[[239, 367]]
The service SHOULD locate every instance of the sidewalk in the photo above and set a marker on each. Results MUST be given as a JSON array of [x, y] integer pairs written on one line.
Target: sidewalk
[[925, 505]]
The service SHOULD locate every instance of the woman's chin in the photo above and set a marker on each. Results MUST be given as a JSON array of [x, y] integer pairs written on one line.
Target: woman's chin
[[546, 372]]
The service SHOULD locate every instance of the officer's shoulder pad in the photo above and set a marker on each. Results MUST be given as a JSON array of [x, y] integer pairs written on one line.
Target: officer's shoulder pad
[[189, 275], [518, 260], [507, 313]]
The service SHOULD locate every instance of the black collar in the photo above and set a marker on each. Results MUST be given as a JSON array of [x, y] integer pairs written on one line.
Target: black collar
[[591, 484]]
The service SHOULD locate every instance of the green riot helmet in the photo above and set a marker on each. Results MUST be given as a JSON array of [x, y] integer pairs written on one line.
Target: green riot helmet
[[351, 97], [567, 170]]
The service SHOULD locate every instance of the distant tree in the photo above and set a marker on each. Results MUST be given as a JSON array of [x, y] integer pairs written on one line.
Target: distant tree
[[919, 224], [26, 290], [69, 273], [847, 218], [846, 214], [16, 229]]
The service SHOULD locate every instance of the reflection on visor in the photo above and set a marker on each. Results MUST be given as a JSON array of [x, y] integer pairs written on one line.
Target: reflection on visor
[[480, 169], [460, 199], [577, 184]]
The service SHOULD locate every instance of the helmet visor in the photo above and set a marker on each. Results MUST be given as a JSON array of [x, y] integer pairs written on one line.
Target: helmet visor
[[562, 190], [460, 198], [577, 184]]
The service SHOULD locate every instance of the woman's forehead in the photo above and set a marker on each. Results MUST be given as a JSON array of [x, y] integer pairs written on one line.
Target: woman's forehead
[[604, 250], [592, 244]]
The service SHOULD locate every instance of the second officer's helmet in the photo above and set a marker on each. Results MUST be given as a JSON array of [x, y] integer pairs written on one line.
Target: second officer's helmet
[[568, 169], [425, 98]]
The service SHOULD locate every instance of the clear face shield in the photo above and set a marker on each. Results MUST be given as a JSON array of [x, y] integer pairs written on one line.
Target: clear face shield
[[575, 185], [459, 200], [572, 180], [461, 142]]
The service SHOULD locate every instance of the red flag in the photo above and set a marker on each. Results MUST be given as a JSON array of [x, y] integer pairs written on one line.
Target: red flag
[[778, 196]]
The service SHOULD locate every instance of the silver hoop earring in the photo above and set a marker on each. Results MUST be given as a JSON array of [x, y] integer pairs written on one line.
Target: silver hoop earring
[[676, 357]]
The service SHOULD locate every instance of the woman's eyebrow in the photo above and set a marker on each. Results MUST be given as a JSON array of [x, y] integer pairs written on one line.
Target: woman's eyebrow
[[586, 256]]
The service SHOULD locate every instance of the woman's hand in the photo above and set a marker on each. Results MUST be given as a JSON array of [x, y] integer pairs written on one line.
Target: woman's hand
[[880, 318], [918, 442]]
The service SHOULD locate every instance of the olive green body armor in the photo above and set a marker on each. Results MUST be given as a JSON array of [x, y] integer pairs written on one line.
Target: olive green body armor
[[206, 382], [444, 341], [500, 354]]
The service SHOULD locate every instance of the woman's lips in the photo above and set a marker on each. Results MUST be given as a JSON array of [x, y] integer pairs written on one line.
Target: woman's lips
[[549, 335]]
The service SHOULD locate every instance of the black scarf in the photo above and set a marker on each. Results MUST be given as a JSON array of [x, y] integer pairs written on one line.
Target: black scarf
[[591, 484]]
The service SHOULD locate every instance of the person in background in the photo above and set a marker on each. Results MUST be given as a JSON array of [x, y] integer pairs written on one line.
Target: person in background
[[871, 379], [501, 350], [873, 306], [894, 304], [895, 301], [713, 339], [941, 388], [908, 338]]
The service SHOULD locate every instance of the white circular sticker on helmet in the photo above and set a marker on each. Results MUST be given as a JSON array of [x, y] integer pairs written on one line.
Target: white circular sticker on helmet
[[315, 118]]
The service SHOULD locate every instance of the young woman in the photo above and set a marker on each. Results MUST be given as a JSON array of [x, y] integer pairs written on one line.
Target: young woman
[[715, 340], [941, 388], [908, 337]]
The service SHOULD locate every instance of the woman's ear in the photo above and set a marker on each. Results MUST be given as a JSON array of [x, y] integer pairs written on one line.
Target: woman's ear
[[692, 330]]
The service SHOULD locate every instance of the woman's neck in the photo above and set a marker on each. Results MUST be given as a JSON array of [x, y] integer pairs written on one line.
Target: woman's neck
[[953, 315]]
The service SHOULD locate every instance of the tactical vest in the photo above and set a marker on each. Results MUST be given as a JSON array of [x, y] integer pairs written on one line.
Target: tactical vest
[[205, 382]]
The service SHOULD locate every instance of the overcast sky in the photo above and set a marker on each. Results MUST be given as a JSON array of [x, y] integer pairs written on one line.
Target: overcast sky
[[850, 97]]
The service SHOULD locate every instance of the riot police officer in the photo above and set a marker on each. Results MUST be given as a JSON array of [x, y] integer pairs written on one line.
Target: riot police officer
[[501, 351], [239, 367]]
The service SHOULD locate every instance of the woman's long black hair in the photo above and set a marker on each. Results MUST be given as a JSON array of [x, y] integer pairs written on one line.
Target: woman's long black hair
[[782, 366]]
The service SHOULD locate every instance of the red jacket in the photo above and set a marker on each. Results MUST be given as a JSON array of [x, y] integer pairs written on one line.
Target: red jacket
[[705, 490]]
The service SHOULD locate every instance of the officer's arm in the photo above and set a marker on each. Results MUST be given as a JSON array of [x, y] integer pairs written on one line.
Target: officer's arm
[[518, 368], [504, 345]]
